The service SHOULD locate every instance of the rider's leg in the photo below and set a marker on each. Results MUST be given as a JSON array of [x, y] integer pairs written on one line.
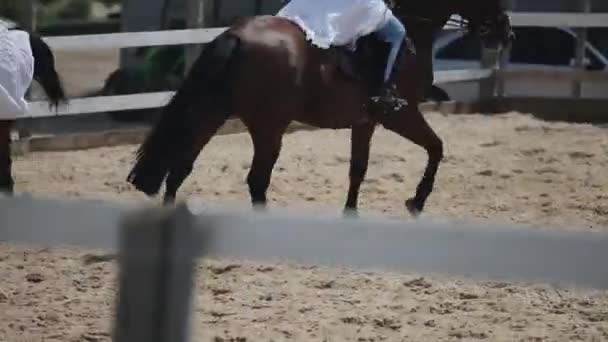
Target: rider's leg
[[393, 33]]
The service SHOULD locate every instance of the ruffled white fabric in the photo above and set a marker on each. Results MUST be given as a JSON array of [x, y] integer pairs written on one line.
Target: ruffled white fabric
[[16, 72], [336, 22]]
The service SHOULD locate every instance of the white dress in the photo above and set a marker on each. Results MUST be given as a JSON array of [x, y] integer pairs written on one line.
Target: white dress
[[336, 22], [16, 72]]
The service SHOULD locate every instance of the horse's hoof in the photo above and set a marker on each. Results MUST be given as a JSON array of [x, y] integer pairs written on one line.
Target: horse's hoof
[[350, 213], [411, 206]]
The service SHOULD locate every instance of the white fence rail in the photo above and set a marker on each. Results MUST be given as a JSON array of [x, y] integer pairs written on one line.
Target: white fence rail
[[158, 248], [554, 19], [506, 252], [99, 104], [205, 35], [198, 36], [133, 39]]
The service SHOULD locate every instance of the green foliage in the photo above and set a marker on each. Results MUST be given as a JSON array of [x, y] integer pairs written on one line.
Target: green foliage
[[50, 11], [56, 10], [9, 9], [46, 2], [109, 3], [75, 9]]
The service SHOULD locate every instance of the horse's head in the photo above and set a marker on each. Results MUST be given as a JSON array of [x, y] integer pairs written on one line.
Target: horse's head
[[489, 19]]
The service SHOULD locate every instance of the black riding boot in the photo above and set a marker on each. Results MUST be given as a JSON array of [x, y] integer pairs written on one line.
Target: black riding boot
[[385, 94]]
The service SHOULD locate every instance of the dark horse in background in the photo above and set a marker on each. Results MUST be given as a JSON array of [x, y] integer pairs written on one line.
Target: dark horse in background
[[263, 71], [46, 75]]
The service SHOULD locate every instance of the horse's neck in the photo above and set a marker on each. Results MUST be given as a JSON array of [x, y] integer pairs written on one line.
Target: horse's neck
[[438, 11], [423, 36]]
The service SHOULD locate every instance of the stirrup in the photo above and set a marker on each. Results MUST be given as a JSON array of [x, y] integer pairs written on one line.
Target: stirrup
[[389, 99], [390, 103]]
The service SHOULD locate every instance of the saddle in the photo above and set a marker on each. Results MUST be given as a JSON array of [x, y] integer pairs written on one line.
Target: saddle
[[367, 62]]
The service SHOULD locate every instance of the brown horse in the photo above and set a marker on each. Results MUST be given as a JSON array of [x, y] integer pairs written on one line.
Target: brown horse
[[263, 71], [46, 75]]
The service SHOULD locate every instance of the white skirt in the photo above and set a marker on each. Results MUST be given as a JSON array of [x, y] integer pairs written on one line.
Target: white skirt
[[16, 73], [336, 22]]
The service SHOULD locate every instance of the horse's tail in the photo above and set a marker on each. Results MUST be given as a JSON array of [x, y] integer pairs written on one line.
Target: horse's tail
[[45, 72], [206, 86]]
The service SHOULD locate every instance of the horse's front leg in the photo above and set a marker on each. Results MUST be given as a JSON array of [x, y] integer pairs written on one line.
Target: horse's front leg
[[6, 178], [360, 145], [412, 125]]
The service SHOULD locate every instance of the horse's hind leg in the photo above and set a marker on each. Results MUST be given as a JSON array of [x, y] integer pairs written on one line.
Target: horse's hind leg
[[6, 178], [412, 125], [184, 164], [266, 149], [361, 136]]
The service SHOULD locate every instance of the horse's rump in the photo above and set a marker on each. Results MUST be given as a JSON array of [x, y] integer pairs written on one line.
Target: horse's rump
[[363, 65]]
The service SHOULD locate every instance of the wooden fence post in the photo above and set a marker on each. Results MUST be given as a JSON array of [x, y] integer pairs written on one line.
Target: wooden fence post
[[199, 16], [581, 42], [157, 255]]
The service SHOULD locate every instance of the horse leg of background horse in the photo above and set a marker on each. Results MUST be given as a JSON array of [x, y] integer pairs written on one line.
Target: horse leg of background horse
[[182, 169], [6, 178], [412, 125], [361, 136], [266, 149]]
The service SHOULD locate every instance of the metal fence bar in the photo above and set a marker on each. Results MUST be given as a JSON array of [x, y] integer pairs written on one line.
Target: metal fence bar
[[199, 15], [581, 44], [487, 86]]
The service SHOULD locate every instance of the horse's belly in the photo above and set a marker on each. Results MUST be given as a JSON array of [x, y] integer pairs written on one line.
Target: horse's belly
[[340, 108]]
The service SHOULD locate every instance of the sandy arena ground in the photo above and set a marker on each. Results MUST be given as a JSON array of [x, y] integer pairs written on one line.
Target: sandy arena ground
[[509, 168]]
